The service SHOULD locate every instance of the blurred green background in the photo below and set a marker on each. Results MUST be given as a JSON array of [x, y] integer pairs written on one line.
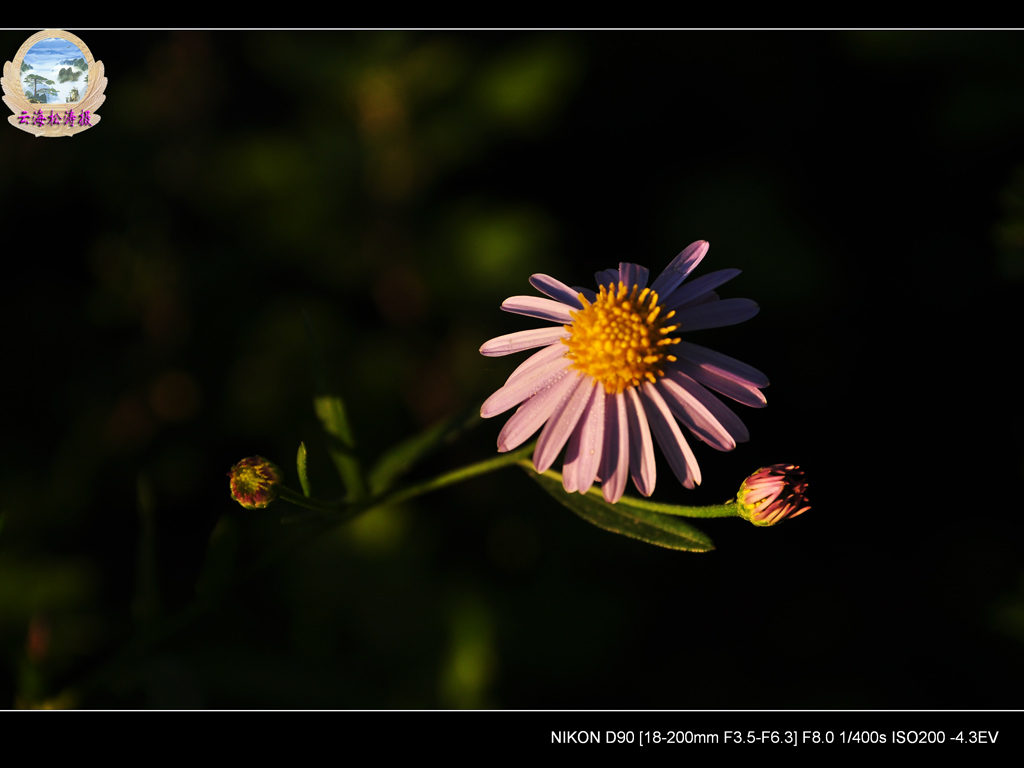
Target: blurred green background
[[397, 186]]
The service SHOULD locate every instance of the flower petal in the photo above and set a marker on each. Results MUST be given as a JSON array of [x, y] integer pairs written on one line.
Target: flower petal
[[710, 360], [633, 274], [583, 456], [680, 267], [607, 277], [738, 389], [557, 290], [715, 314], [562, 422], [641, 451], [535, 306], [615, 451], [520, 340], [535, 411], [522, 387], [722, 431], [695, 415], [673, 444], [589, 294], [695, 290], [546, 355]]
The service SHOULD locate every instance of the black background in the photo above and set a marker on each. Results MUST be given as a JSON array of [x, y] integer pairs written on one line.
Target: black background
[[398, 186]]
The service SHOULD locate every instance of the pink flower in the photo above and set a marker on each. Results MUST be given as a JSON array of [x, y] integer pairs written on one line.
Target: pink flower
[[624, 338], [773, 494]]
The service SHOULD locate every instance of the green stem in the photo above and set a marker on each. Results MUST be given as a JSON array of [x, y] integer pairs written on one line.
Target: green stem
[[730, 509], [346, 511]]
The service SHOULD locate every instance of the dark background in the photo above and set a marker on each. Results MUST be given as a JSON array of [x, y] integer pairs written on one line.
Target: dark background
[[397, 186]]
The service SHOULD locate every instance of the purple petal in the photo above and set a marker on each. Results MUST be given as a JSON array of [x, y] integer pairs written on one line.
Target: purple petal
[[641, 451], [673, 444], [680, 267], [522, 387], [704, 298], [615, 452], [726, 419], [633, 274], [583, 456], [715, 314], [562, 422], [606, 277], [557, 290], [590, 295], [695, 290], [535, 411], [710, 360], [535, 306], [520, 340]]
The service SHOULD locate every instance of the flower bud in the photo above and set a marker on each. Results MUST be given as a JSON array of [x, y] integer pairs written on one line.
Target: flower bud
[[773, 494], [255, 482]]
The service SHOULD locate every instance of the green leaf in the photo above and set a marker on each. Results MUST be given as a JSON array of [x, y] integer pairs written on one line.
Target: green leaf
[[626, 516], [300, 466], [221, 556], [330, 409], [400, 458]]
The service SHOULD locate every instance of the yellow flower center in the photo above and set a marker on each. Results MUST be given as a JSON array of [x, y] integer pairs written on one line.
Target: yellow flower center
[[621, 339]]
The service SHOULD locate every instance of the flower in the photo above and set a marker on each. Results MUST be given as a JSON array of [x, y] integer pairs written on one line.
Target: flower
[[773, 494], [255, 482], [614, 371]]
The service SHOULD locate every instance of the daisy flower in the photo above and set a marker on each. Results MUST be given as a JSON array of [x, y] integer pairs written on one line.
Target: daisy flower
[[615, 371]]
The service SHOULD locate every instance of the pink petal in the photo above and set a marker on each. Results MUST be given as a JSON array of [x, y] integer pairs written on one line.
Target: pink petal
[[615, 451], [728, 420], [545, 355], [715, 314], [641, 451], [583, 456], [680, 267], [562, 422], [520, 340], [535, 306], [692, 412], [673, 444], [738, 389], [535, 411], [522, 387], [557, 290]]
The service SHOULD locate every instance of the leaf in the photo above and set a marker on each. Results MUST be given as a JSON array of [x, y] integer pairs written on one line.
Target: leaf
[[330, 409], [399, 459], [300, 466], [221, 556], [625, 516]]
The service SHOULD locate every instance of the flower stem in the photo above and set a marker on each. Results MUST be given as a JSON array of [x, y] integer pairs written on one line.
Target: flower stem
[[345, 510], [729, 509], [458, 475]]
